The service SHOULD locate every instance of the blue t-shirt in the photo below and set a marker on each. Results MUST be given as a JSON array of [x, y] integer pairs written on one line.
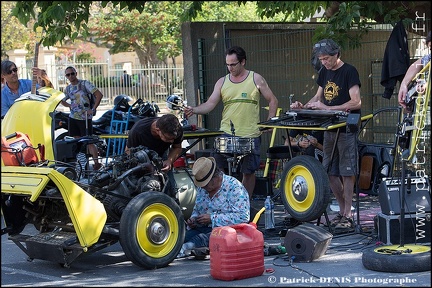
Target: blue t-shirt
[[8, 98]]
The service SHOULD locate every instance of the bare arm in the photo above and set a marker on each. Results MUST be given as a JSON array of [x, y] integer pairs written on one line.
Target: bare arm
[[211, 102], [353, 104], [409, 75], [267, 94], [173, 154], [315, 98], [66, 104], [98, 96]]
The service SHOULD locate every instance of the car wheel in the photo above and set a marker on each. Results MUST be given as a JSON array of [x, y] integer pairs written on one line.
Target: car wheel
[[398, 259], [305, 189], [152, 230]]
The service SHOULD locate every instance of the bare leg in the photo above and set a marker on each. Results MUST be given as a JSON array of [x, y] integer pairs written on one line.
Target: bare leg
[[248, 182], [94, 152], [348, 189], [338, 190]]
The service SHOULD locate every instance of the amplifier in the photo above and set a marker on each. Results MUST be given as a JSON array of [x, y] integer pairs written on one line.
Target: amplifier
[[417, 196], [417, 228]]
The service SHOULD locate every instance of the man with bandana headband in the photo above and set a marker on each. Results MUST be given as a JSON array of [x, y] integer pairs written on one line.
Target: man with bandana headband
[[339, 89]]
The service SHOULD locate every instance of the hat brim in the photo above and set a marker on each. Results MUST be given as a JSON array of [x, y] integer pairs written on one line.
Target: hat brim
[[202, 183]]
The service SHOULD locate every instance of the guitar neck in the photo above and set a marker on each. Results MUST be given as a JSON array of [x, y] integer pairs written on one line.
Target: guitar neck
[[34, 79]]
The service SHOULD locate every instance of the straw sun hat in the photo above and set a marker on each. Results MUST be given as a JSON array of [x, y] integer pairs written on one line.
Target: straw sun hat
[[203, 170]]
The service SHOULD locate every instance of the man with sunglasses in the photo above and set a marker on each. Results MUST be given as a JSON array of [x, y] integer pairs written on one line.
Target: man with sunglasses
[[13, 87], [338, 89], [240, 92], [78, 92]]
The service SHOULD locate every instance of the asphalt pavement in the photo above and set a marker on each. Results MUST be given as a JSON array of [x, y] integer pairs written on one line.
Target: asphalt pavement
[[340, 264]]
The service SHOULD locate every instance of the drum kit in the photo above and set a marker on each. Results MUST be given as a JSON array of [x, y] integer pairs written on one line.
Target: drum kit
[[233, 148]]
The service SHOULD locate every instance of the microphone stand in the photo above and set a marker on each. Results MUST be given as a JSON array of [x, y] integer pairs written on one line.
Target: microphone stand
[[232, 160]]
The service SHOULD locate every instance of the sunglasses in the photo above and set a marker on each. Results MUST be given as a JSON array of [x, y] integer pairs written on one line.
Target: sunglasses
[[232, 65], [70, 74], [12, 70], [320, 44]]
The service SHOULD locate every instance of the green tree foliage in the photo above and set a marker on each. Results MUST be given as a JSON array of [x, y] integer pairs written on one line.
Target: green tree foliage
[[13, 34], [346, 21], [154, 34], [63, 20], [224, 11], [152, 28]]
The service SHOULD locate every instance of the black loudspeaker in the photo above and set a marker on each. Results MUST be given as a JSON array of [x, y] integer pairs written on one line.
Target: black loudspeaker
[[263, 187], [307, 242], [417, 196], [417, 228]]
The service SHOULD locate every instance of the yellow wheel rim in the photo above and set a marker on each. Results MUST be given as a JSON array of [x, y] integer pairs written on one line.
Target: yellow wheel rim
[[157, 230], [299, 188]]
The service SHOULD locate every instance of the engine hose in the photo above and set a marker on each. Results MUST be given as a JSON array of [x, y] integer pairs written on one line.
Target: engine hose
[[145, 167], [131, 184]]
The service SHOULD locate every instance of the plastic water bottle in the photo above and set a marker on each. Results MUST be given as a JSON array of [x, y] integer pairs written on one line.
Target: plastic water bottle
[[269, 213]]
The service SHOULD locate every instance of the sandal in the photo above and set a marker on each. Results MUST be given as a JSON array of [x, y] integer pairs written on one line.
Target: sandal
[[345, 223], [335, 220]]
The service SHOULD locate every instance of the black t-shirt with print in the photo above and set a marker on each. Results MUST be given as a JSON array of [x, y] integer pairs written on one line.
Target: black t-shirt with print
[[140, 134], [336, 84]]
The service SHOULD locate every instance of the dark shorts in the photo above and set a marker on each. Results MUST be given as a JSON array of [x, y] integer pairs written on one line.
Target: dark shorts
[[345, 158], [248, 164], [78, 127]]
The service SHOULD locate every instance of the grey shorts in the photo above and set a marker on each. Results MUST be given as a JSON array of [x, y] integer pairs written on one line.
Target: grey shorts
[[345, 158]]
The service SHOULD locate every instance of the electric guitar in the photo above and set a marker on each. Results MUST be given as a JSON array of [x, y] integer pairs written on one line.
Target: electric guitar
[[36, 58], [417, 103], [417, 84]]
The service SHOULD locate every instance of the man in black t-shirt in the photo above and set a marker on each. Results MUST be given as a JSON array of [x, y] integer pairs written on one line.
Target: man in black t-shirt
[[339, 89], [161, 134], [164, 135]]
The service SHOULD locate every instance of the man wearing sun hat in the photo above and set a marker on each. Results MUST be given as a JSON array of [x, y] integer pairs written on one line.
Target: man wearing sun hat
[[221, 200]]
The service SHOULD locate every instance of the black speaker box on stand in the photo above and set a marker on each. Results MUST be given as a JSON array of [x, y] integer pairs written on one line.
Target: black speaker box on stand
[[417, 228], [307, 242], [417, 196]]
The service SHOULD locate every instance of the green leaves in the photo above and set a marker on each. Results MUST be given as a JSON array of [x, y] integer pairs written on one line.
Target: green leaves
[[156, 26]]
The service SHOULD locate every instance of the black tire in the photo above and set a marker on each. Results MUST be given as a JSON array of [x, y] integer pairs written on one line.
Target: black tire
[[152, 230], [305, 189], [406, 259]]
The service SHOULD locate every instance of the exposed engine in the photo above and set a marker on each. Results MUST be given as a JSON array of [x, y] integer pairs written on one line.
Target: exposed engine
[[115, 185], [126, 176]]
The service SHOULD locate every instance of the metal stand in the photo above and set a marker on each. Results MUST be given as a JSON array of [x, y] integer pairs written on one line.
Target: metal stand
[[235, 160]]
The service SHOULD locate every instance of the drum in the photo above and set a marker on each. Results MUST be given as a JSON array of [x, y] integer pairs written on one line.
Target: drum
[[234, 145], [186, 190]]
